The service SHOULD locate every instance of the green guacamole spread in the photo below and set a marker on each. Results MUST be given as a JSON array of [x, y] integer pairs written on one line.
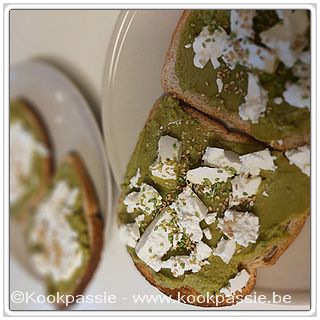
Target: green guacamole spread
[[280, 121], [77, 221], [32, 183], [288, 189]]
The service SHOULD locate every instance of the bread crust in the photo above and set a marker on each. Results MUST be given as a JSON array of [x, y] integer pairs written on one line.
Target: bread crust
[[34, 119], [170, 84], [93, 219], [271, 253]]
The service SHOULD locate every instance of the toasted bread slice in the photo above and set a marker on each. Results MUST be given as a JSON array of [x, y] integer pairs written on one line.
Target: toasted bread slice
[[170, 117], [83, 220], [275, 128], [42, 165]]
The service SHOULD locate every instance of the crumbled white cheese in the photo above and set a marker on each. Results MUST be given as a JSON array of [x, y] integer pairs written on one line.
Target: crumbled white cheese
[[154, 242], [61, 255], [140, 218], [213, 175], [280, 142], [189, 204], [288, 38], [219, 84], [302, 70], [236, 284], [202, 251], [242, 227], [278, 100], [169, 153], [179, 264], [225, 249], [298, 94], [207, 233], [182, 216], [147, 199], [252, 163], [241, 23], [191, 226], [255, 103], [130, 234], [210, 218], [301, 158], [23, 148], [164, 170], [190, 211], [169, 148], [242, 188], [220, 158], [247, 53], [209, 47], [188, 45], [265, 194], [232, 50], [258, 57], [134, 181]]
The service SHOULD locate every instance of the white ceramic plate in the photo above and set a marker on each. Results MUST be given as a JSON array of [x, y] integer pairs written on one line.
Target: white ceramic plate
[[132, 84], [72, 127]]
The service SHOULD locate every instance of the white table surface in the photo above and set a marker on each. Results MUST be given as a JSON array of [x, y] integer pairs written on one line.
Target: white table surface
[[76, 41]]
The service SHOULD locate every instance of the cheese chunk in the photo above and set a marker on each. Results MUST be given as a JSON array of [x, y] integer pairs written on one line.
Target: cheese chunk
[[225, 249], [169, 148], [213, 175], [255, 103], [134, 181], [179, 264], [247, 53], [23, 147], [190, 210], [209, 46], [164, 170], [154, 242], [243, 188], [169, 153], [130, 234], [140, 218], [241, 23], [147, 199], [253, 163], [288, 38], [220, 158], [220, 84], [188, 204], [210, 218], [207, 233], [61, 255], [242, 227], [236, 284], [191, 227], [297, 94], [300, 157], [302, 68]]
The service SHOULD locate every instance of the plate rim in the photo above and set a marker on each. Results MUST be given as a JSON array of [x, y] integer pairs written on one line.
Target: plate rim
[[119, 34]]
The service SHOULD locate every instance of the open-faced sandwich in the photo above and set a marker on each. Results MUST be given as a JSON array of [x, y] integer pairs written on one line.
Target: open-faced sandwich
[[65, 234], [248, 68], [31, 158], [202, 208], [219, 182]]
